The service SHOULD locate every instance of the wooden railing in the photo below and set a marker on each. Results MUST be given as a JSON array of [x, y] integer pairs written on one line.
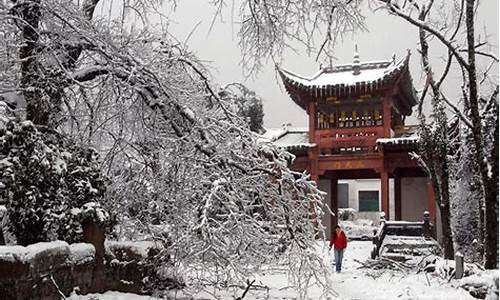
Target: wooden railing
[[401, 228], [354, 137]]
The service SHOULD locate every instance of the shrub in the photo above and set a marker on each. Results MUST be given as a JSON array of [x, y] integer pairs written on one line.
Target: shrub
[[45, 179]]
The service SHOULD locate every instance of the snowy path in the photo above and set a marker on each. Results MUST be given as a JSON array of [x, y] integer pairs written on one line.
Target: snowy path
[[352, 283]]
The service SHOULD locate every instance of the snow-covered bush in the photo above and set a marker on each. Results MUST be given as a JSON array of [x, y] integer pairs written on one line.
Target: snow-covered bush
[[45, 180], [346, 214]]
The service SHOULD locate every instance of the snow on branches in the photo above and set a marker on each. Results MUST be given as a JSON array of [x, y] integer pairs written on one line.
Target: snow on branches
[[184, 167], [44, 178]]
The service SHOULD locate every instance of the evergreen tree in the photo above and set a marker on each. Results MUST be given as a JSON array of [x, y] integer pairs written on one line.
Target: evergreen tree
[[46, 179]]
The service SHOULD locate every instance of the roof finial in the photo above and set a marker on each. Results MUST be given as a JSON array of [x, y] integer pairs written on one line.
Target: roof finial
[[356, 69]]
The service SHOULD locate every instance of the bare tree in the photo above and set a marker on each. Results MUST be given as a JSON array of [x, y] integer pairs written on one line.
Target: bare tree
[[464, 51], [268, 27], [184, 166]]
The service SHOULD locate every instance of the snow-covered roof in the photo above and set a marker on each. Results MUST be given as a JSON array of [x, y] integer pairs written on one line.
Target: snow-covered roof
[[298, 138], [289, 138], [294, 140], [272, 134], [343, 74], [397, 140], [352, 80], [406, 136]]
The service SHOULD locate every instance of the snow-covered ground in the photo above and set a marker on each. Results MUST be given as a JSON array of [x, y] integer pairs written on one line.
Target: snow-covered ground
[[353, 283], [358, 228]]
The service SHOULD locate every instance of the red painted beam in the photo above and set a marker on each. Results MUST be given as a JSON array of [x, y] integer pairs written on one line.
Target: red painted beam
[[347, 142]]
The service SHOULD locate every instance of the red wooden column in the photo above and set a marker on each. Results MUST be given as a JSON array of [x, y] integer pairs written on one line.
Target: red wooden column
[[313, 158], [431, 202], [397, 198], [312, 112], [384, 191], [386, 114], [334, 203], [313, 165], [314, 177], [314, 152]]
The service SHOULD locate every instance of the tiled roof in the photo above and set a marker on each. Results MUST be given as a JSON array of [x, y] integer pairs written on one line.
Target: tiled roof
[[343, 74], [350, 79], [290, 138]]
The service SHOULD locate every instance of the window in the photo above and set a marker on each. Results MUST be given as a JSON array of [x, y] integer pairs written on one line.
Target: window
[[368, 200]]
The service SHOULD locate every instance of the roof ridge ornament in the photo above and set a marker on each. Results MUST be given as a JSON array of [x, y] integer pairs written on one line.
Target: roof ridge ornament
[[356, 67]]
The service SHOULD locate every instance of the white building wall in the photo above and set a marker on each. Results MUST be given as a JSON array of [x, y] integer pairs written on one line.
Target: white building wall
[[413, 198], [356, 185]]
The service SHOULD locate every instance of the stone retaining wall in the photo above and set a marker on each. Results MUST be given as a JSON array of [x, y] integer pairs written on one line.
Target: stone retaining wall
[[44, 270], [33, 272], [48, 270]]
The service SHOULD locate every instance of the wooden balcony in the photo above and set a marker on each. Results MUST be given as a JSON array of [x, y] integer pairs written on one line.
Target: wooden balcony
[[354, 137]]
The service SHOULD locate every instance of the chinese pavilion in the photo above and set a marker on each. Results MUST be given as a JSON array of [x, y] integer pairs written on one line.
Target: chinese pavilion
[[357, 130]]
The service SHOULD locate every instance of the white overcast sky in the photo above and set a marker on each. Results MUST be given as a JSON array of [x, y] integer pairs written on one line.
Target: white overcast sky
[[387, 35]]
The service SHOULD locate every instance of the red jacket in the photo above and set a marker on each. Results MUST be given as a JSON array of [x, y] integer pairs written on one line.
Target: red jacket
[[339, 242]]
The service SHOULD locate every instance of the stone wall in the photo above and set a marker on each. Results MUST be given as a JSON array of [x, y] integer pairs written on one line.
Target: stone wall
[[44, 270]]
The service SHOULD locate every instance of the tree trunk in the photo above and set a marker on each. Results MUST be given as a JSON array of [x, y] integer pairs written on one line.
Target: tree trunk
[[36, 108], [436, 152], [42, 86], [447, 234], [445, 212], [489, 187]]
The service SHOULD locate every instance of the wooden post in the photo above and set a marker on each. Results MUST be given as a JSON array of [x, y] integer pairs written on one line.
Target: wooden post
[[459, 265], [427, 226], [312, 111], [334, 203], [313, 152], [313, 169], [94, 234], [313, 156], [384, 191], [386, 114], [397, 198]]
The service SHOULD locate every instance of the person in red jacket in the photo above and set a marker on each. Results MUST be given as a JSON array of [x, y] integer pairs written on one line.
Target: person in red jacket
[[339, 242]]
